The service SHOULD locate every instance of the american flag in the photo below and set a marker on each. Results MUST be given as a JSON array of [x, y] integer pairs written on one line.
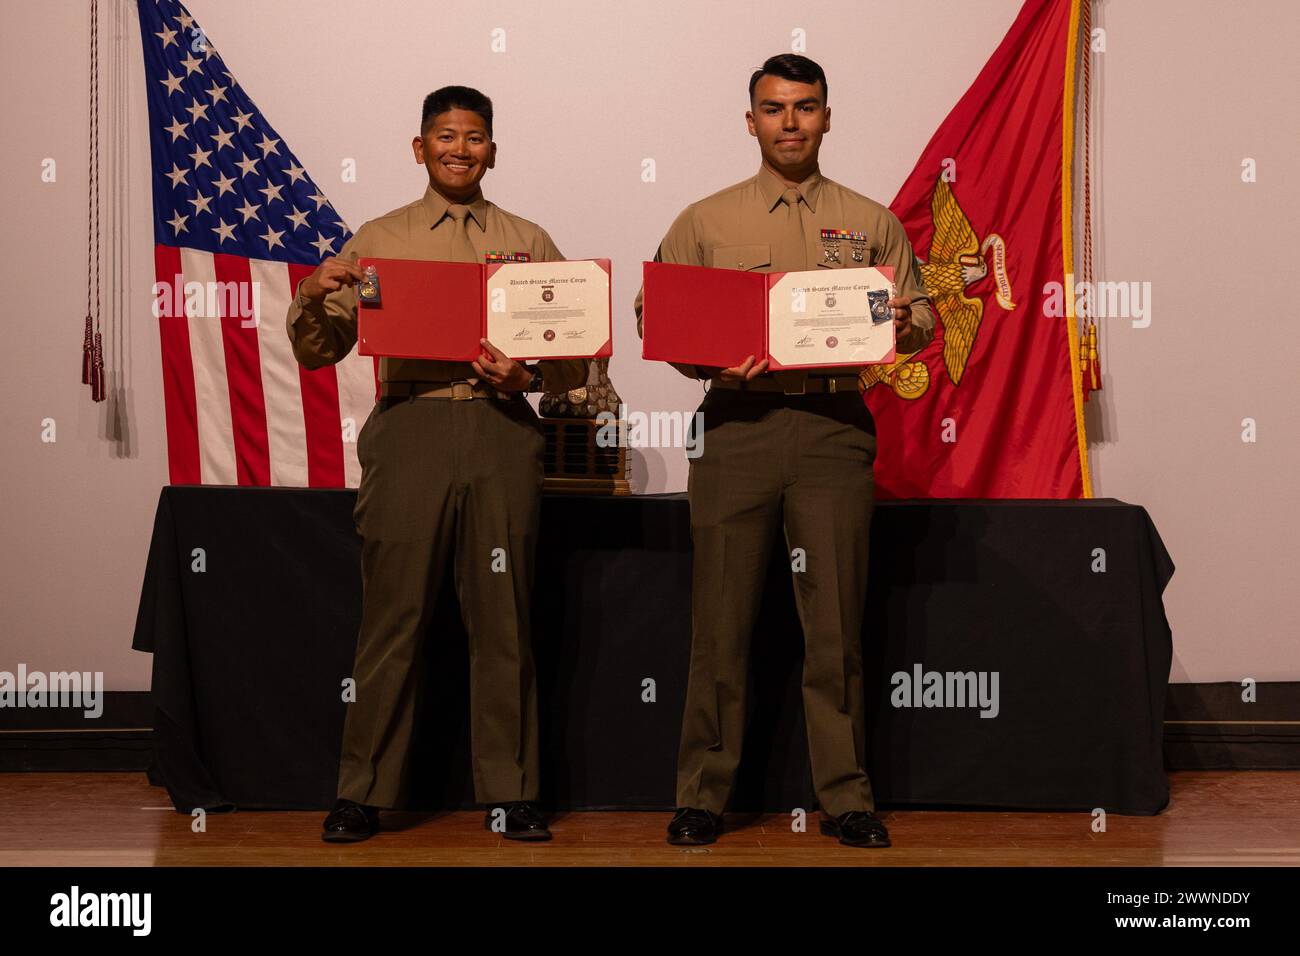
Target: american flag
[[237, 223]]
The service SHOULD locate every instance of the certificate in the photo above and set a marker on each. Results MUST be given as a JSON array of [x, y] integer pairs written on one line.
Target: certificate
[[423, 309], [540, 310], [824, 318], [830, 317]]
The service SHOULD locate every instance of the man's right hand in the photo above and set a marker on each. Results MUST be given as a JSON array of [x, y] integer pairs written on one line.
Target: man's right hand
[[739, 373], [330, 276]]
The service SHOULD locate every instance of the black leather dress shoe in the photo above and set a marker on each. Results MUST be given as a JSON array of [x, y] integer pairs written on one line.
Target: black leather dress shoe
[[523, 821], [694, 827], [350, 822], [857, 828]]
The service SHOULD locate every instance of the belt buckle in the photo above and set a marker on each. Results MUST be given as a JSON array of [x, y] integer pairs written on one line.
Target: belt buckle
[[461, 391]]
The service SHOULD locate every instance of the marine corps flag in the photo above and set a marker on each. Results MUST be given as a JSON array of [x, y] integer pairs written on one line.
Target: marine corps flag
[[991, 408]]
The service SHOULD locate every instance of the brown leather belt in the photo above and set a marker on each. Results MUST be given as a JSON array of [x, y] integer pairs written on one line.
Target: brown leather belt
[[460, 391], [810, 385]]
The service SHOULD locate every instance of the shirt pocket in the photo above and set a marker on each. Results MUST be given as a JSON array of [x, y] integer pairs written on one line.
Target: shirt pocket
[[747, 258]]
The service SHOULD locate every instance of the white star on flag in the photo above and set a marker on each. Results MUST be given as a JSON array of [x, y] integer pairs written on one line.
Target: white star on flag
[[222, 138], [325, 245], [223, 185], [272, 238], [271, 191], [224, 230], [177, 129]]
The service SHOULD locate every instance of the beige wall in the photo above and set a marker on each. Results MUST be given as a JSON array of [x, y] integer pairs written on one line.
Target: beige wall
[[584, 92]]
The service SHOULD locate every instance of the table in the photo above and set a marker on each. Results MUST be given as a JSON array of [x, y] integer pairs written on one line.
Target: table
[[251, 651]]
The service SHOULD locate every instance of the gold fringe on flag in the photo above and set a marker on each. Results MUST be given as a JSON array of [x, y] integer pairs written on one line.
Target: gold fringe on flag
[[1089, 364]]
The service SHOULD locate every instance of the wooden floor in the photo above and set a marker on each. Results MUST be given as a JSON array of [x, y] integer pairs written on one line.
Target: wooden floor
[[1214, 819]]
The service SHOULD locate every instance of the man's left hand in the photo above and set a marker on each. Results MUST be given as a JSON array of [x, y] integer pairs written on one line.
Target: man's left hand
[[502, 373]]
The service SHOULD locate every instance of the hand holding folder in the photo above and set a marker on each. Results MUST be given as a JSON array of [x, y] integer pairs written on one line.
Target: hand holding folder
[[694, 315], [425, 309]]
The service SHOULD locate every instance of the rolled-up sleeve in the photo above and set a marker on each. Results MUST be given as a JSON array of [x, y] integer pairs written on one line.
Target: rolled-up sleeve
[[322, 332]]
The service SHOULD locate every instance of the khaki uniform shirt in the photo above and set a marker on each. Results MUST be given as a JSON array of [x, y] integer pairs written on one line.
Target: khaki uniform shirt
[[747, 226], [323, 332]]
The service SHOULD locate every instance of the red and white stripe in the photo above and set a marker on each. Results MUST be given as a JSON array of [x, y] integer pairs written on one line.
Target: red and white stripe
[[240, 409]]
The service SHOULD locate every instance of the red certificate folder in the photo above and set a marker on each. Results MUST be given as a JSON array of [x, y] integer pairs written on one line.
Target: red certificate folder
[[436, 310], [694, 315], [406, 323]]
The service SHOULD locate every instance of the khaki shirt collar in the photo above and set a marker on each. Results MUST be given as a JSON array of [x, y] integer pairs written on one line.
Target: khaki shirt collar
[[437, 204], [772, 187]]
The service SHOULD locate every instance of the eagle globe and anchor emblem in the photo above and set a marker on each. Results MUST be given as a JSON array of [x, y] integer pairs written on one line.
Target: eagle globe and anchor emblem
[[957, 259]]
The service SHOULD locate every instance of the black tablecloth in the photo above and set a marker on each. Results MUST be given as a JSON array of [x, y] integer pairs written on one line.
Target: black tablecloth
[[251, 604]]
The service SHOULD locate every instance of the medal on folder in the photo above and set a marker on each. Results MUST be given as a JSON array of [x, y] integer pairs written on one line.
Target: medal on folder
[[422, 309], [824, 318]]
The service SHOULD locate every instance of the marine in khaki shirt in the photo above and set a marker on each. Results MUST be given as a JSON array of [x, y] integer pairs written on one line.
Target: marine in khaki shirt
[[324, 331], [451, 475], [786, 463], [748, 226]]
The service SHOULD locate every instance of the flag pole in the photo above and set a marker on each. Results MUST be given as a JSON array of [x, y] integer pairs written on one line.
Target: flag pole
[[1067, 235]]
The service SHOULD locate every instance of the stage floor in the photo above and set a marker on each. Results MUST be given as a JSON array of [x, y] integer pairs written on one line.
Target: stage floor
[[1215, 818]]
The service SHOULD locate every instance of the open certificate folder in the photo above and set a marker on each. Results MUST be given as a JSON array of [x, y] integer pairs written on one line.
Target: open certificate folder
[[424, 309], [822, 318]]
